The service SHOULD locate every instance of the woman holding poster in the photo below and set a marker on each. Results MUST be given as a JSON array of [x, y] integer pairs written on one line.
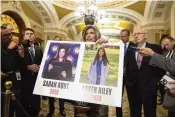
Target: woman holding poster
[[92, 34], [59, 68], [98, 70]]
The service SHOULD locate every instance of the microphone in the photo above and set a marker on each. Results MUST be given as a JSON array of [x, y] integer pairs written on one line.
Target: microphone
[[25, 43]]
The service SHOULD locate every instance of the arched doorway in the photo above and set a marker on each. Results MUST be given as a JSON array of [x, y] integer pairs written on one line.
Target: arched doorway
[[10, 17]]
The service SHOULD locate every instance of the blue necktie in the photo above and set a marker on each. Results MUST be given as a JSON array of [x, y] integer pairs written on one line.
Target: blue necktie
[[125, 48]]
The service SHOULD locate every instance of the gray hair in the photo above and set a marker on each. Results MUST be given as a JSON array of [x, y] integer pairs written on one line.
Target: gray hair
[[144, 30], [98, 34]]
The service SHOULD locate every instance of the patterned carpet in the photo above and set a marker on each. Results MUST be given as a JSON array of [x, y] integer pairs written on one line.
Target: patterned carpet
[[70, 113]]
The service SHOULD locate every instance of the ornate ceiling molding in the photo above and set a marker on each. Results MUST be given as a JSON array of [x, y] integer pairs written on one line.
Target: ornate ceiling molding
[[112, 16], [138, 18], [9, 7], [36, 26], [68, 21], [154, 26], [33, 5], [45, 11], [51, 12], [70, 4], [121, 14], [156, 11]]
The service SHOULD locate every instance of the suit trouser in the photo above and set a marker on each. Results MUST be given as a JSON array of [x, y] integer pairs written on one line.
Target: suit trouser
[[61, 104], [137, 97], [52, 106], [162, 91], [119, 112], [97, 110], [30, 102], [171, 114]]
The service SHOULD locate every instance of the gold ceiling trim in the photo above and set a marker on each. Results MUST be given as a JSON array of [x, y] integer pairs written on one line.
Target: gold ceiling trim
[[113, 4], [138, 7], [61, 12], [105, 5]]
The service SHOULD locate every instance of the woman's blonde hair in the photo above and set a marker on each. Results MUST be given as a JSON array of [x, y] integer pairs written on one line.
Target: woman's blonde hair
[[98, 34]]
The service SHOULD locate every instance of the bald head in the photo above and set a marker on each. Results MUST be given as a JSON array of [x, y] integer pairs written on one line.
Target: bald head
[[10, 27]]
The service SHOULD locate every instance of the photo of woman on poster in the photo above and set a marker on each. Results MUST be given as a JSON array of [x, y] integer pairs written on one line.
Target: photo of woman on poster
[[59, 68], [98, 70]]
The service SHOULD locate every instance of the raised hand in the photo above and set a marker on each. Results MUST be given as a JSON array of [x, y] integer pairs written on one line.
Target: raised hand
[[33, 68], [146, 52], [103, 39], [13, 44]]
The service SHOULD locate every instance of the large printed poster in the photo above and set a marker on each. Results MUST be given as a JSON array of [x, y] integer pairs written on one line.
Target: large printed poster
[[82, 71]]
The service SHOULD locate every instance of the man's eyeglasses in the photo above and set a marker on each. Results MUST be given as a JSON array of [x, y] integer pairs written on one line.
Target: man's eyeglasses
[[10, 35]]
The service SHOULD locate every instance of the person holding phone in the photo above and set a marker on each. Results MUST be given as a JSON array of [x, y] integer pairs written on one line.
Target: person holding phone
[[164, 42], [92, 34], [167, 63], [141, 78]]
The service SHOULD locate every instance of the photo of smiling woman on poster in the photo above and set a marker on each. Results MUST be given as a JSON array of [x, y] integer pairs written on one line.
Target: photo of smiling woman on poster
[[59, 68], [98, 70]]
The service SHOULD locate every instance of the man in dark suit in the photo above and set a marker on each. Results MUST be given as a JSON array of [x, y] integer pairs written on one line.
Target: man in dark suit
[[33, 57], [141, 83], [125, 34]]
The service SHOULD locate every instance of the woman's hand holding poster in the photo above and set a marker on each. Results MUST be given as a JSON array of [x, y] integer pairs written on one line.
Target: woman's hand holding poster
[[82, 71]]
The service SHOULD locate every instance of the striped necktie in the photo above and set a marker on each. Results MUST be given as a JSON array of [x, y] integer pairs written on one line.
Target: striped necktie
[[32, 49]]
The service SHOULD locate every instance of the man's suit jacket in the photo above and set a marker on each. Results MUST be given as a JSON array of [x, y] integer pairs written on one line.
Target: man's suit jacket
[[126, 59], [29, 76], [147, 76]]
